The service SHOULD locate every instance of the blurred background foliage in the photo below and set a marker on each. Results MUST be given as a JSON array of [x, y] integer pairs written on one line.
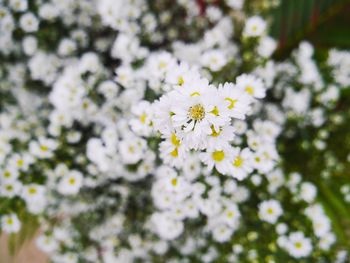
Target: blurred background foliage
[[325, 24]]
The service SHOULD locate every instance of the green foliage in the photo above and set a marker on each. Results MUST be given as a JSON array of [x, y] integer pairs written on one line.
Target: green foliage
[[323, 22]]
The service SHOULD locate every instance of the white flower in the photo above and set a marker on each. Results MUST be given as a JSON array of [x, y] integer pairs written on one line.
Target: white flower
[[46, 243], [195, 109], [236, 4], [220, 158], [10, 189], [142, 124], [237, 102], [231, 215], [255, 27], [66, 47], [270, 211], [71, 183], [132, 150], [48, 11], [19, 5], [222, 233], [10, 223], [43, 148], [240, 163], [215, 60], [251, 85], [308, 192], [181, 74], [298, 245], [32, 193], [172, 151], [29, 23], [166, 227], [9, 174], [30, 45], [266, 46]]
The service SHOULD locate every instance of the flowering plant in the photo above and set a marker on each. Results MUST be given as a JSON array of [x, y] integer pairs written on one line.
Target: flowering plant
[[132, 132]]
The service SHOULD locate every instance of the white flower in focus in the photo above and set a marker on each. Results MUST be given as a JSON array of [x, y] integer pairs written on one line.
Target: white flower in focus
[[220, 158], [237, 102]]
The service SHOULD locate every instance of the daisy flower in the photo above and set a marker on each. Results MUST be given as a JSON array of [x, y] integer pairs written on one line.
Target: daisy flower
[[252, 85]]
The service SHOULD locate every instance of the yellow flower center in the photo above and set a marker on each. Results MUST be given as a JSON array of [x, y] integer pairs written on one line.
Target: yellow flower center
[[298, 245], [232, 103], [238, 161], [197, 112], [218, 156], [249, 90], [214, 133], [270, 211], [230, 214], [32, 190], [9, 221], [162, 65], [143, 118], [71, 181], [174, 140], [180, 81], [20, 162], [131, 149], [174, 153], [44, 148], [215, 111], [174, 181]]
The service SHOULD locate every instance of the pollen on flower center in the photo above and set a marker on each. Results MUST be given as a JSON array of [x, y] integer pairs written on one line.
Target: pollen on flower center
[[32, 190], [238, 161], [143, 118], [218, 156], [174, 181], [298, 245], [214, 133], [72, 181], [249, 90], [232, 103], [44, 148], [215, 111], [174, 153], [174, 140], [196, 112]]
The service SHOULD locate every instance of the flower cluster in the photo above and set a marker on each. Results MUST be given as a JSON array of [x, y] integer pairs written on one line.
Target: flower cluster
[[132, 132]]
